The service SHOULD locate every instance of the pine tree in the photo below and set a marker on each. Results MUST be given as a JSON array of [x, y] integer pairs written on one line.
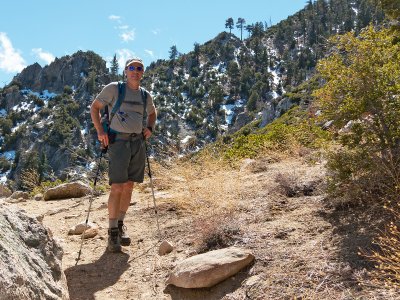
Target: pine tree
[[252, 102], [114, 68], [229, 24], [240, 24], [173, 52], [234, 76], [249, 29]]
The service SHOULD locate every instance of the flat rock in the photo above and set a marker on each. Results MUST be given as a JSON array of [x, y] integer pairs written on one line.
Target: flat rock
[[208, 269]]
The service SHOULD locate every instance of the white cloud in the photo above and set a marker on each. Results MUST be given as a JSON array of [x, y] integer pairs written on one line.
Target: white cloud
[[149, 52], [123, 27], [11, 60], [123, 55], [155, 31], [114, 17], [128, 36], [47, 57]]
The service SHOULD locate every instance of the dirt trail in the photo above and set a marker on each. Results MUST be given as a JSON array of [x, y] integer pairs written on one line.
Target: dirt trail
[[296, 245]]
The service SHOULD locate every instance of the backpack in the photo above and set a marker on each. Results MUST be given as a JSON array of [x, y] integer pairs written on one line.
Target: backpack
[[107, 117]]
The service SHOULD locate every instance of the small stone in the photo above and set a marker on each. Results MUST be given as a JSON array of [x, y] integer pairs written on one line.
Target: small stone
[[165, 248], [90, 233], [38, 197], [79, 228], [40, 218]]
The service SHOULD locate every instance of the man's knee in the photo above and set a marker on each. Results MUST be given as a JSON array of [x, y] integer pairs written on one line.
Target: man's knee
[[117, 187], [128, 185]]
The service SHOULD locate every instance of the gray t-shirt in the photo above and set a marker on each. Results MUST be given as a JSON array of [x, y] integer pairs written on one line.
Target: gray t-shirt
[[129, 117]]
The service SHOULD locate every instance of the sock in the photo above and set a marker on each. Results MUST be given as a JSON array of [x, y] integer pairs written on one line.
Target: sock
[[113, 223], [121, 215]]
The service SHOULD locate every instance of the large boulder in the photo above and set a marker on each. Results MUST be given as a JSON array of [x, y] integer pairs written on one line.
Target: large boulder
[[208, 269], [30, 259], [75, 189]]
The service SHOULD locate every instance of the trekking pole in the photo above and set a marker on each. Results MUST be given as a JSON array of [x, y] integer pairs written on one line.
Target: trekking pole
[[103, 150], [152, 191]]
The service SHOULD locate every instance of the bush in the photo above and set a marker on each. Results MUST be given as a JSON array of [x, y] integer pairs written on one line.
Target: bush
[[386, 257], [29, 179], [68, 90], [4, 164], [216, 232], [366, 166]]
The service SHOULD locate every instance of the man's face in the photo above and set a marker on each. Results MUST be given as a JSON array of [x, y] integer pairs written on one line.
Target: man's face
[[134, 71]]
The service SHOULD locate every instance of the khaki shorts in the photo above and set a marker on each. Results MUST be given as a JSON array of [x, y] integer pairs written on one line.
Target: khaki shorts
[[127, 160]]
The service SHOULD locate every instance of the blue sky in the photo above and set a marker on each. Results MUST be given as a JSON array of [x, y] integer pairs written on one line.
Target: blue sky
[[40, 30]]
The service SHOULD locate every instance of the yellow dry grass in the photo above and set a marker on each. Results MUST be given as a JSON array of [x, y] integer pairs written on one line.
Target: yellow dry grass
[[208, 186]]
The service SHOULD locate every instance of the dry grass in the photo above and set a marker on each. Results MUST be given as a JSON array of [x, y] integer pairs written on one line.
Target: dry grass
[[386, 256], [203, 187]]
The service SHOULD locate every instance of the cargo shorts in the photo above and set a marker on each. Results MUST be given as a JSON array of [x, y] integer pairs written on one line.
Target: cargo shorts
[[127, 159]]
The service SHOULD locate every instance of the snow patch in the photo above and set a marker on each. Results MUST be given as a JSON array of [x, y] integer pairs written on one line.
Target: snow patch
[[229, 113], [186, 139], [3, 177], [9, 155]]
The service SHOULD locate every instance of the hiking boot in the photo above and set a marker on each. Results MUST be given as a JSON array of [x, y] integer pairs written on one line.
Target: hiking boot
[[114, 244], [124, 238]]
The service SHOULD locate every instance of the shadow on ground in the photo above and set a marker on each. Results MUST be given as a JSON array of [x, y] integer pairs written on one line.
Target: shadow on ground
[[85, 280], [355, 228], [216, 292]]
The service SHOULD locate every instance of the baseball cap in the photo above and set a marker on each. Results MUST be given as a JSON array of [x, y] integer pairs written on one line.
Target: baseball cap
[[134, 60]]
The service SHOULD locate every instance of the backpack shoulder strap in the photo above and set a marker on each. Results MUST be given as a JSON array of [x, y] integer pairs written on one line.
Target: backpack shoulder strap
[[121, 96], [144, 94]]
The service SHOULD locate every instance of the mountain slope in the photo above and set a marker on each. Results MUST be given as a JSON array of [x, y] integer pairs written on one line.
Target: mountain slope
[[213, 91]]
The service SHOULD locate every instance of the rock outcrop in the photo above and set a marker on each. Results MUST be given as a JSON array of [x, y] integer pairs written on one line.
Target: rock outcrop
[[30, 259], [68, 70]]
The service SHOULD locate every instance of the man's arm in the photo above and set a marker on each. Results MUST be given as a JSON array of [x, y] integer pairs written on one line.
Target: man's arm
[[151, 121], [96, 119]]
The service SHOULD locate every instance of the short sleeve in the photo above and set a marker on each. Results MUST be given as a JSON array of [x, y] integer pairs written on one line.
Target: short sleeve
[[108, 94]]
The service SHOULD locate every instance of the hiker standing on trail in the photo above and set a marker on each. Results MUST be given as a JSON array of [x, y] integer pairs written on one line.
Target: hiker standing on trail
[[125, 143]]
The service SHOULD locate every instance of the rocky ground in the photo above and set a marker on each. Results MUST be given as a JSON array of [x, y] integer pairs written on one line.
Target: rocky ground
[[274, 207]]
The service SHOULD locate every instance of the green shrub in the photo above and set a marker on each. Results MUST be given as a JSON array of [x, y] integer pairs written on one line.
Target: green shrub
[[361, 92], [44, 186], [4, 164]]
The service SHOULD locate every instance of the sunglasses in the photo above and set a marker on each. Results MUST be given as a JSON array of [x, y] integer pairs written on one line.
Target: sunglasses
[[133, 68]]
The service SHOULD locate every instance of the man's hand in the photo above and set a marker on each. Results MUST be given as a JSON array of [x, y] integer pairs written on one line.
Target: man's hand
[[147, 133], [103, 139]]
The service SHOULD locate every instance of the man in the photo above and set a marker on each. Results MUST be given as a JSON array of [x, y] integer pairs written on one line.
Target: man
[[127, 150]]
